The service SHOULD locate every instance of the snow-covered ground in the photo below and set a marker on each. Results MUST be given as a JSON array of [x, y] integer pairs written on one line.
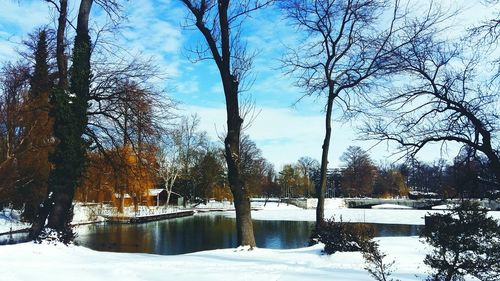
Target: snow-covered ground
[[31, 261], [274, 211]]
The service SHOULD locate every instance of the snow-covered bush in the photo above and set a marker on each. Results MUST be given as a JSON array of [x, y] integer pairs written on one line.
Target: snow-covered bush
[[466, 241], [339, 236]]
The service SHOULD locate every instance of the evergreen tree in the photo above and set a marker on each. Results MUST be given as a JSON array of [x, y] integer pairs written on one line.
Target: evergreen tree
[[466, 241], [34, 166]]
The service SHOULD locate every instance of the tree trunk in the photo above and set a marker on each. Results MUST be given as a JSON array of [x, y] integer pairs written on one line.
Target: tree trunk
[[70, 121], [169, 185], [121, 204], [221, 48], [320, 190], [494, 163], [244, 226], [169, 192], [62, 63], [63, 195], [59, 215], [492, 155], [495, 166], [39, 221]]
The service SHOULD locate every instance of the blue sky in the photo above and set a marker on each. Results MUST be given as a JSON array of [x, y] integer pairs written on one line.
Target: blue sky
[[154, 28]]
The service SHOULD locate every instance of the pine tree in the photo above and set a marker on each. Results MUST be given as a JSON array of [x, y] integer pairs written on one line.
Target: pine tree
[[465, 241]]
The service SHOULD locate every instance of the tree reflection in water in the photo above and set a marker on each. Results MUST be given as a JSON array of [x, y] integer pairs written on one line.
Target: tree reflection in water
[[205, 232]]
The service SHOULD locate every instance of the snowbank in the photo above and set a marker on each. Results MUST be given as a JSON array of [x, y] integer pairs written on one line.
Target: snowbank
[[31, 261], [84, 213], [390, 206], [386, 216]]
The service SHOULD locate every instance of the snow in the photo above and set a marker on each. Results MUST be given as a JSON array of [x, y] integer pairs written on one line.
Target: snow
[[390, 206], [29, 261], [58, 262], [444, 207], [9, 221], [293, 213], [86, 213], [274, 211]]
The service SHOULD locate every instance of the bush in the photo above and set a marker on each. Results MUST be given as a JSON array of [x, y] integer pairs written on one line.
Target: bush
[[465, 241], [375, 264], [342, 237]]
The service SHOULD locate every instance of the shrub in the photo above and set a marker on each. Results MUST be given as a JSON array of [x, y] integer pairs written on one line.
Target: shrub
[[339, 236], [465, 241], [375, 264]]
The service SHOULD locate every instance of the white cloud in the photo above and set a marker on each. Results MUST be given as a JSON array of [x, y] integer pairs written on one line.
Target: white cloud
[[187, 87], [17, 19], [25, 15], [282, 134], [151, 30]]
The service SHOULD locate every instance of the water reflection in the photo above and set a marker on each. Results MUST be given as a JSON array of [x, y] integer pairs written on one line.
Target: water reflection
[[205, 232], [8, 239]]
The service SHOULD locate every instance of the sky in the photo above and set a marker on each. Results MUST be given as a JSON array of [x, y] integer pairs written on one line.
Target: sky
[[283, 129]]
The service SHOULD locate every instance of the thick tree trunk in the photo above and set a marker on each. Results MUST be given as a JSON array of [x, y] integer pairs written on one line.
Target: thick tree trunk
[[59, 215], [492, 155], [494, 162], [244, 226], [320, 190], [495, 166]]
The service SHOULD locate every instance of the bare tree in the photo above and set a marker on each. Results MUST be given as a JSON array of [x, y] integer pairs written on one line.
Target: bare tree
[[219, 22], [346, 50], [307, 165], [488, 31], [189, 141], [448, 98], [14, 85], [168, 170], [178, 153], [358, 175]]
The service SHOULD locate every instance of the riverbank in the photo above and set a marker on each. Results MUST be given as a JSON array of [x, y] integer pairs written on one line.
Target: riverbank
[[29, 261], [288, 212], [275, 211]]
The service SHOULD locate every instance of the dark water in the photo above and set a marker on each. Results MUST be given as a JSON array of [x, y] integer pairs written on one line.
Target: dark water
[[205, 232], [7, 239]]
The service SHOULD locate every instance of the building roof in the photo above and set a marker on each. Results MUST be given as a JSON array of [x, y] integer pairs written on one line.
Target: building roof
[[155, 191]]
